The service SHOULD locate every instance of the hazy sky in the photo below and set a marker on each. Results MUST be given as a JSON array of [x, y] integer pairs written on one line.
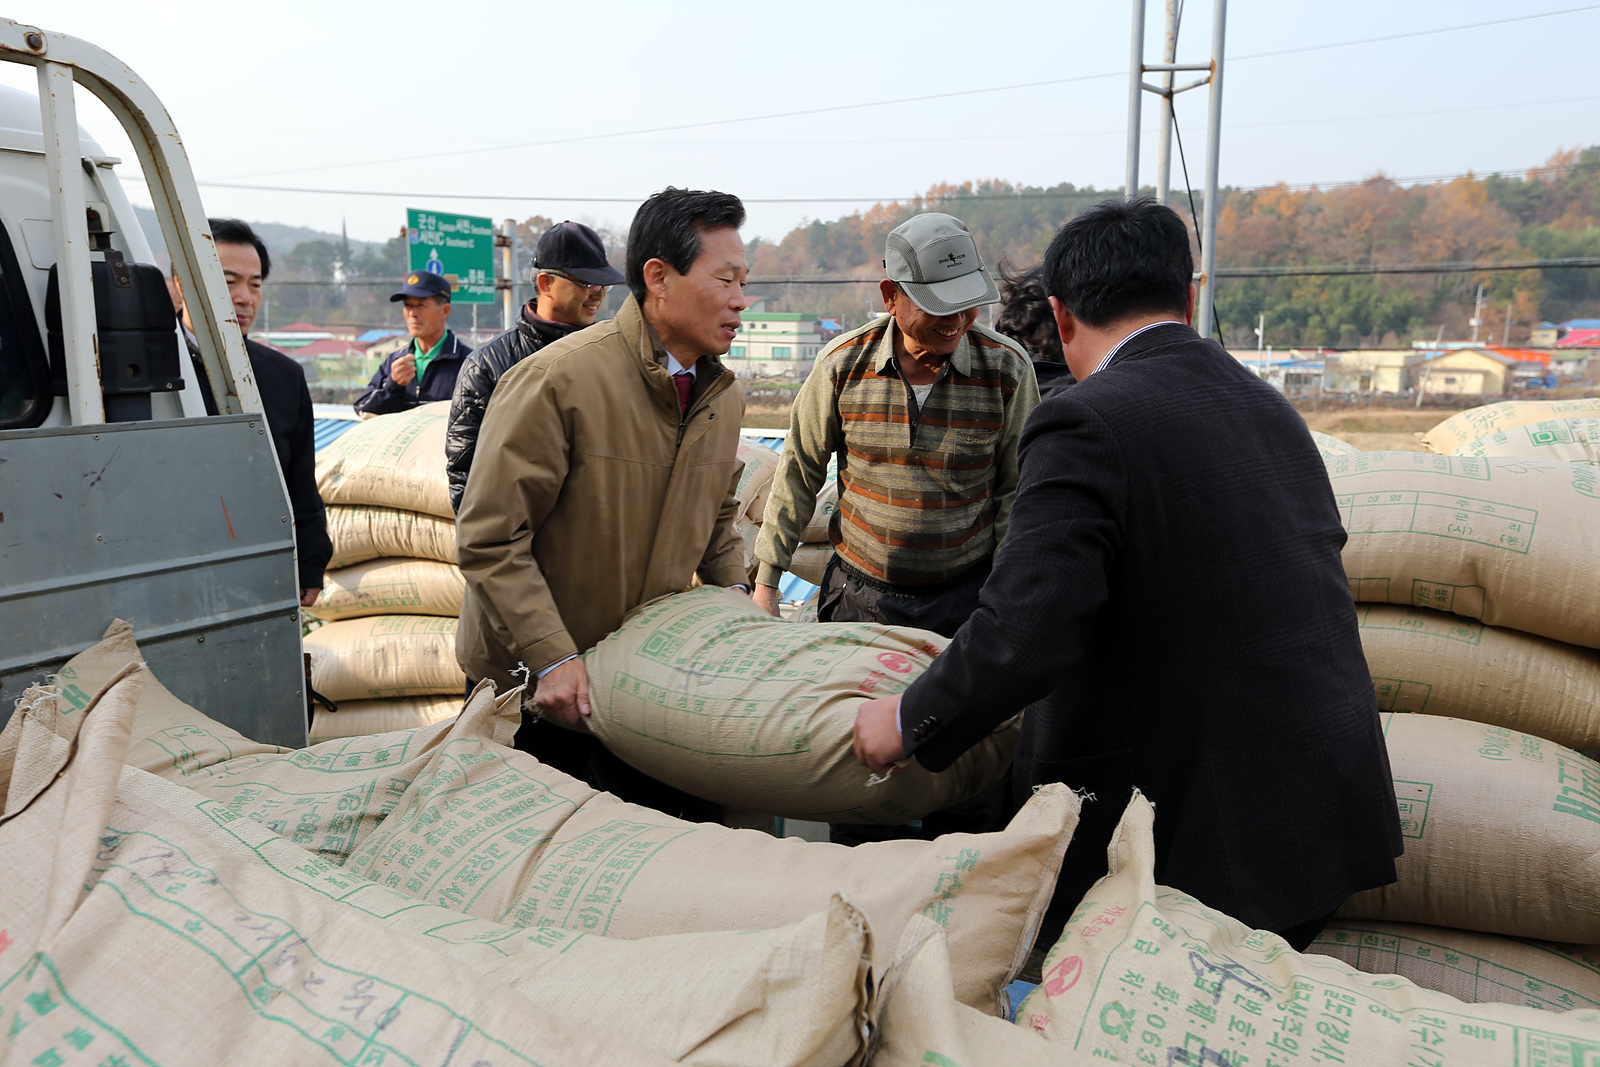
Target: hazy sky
[[300, 94]]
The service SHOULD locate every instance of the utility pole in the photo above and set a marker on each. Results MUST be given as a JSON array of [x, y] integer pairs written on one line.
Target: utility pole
[[1261, 339], [1505, 338], [1169, 56], [1206, 227], [1135, 99], [1477, 314]]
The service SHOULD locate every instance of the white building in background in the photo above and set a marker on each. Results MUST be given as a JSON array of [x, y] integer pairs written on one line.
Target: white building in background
[[775, 344]]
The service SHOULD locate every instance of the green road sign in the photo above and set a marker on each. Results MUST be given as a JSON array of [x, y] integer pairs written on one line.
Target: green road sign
[[458, 246]]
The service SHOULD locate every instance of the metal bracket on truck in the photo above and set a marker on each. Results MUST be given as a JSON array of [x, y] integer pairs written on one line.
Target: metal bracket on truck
[[180, 525]]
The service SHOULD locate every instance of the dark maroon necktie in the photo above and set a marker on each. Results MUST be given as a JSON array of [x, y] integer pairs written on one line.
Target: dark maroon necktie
[[685, 382]]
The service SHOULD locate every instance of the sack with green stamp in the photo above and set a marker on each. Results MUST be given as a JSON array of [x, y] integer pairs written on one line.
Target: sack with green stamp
[[1144, 973], [1437, 664], [385, 656], [327, 797], [1474, 423], [1574, 440], [360, 533], [392, 461], [1509, 541], [1501, 828], [1473, 967], [754, 480], [128, 902], [490, 831], [357, 718], [390, 587], [810, 561], [710, 694]]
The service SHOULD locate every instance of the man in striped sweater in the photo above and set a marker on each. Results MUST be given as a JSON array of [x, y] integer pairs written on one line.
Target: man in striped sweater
[[923, 409]]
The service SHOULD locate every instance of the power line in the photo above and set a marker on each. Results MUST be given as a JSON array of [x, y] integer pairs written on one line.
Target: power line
[[1553, 168], [835, 108], [1298, 271]]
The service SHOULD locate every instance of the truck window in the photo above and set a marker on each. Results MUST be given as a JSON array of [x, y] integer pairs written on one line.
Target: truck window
[[24, 374]]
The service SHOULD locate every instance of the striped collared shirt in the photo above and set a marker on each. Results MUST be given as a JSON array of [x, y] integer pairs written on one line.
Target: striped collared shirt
[[1106, 362]]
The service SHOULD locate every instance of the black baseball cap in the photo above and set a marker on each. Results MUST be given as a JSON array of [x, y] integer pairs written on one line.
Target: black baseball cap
[[423, 283], [573, 248]]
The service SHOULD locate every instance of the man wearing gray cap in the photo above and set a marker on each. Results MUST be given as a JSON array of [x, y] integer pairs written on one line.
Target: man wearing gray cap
[[923, 409]]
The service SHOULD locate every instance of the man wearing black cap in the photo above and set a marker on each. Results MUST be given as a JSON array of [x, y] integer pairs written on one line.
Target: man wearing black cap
[[425, 370], [572, 275]]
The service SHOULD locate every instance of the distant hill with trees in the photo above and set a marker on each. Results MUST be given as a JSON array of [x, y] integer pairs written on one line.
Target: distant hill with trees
[[1551, 212]]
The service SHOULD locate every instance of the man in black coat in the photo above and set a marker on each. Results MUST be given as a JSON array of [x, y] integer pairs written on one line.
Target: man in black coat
[[425, 370], [285, 399], [571, 274], [1171, 608]]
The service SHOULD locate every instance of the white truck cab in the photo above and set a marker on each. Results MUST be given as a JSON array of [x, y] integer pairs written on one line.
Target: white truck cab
[[119, 498]]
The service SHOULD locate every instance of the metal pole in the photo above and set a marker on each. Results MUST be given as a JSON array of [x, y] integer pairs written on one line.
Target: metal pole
[[508, 263], [1135, 97], [1169, 54], [63, 157], [1204, 320]]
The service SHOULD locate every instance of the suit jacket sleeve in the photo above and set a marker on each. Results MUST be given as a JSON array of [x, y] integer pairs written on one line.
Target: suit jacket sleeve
[[1048, 584], [384, 395], [522, 462], [314, 547], [1021, 404]]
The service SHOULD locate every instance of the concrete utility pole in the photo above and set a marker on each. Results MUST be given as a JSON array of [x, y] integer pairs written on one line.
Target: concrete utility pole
[[1169, 55], [1206, 227], [1505, 338], [1261, 337], [1477, 314]]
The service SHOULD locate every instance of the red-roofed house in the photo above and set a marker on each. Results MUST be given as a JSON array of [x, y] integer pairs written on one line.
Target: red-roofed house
[[1588, 338]]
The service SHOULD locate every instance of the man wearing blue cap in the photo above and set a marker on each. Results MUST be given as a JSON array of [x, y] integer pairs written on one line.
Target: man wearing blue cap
[[426, 369], [571, 274]]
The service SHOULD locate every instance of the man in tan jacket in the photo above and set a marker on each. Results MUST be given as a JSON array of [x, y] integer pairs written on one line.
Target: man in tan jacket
[[605, 467]]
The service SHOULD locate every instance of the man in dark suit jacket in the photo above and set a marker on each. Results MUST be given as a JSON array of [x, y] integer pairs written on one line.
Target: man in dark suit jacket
[[1171, 609]]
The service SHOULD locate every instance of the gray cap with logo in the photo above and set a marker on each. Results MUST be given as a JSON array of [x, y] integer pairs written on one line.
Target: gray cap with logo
[[935, 262]]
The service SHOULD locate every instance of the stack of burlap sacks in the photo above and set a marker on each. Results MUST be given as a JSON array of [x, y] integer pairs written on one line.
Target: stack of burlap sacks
[[1476, 574], [430, 895], [391, 599], [386, 652]]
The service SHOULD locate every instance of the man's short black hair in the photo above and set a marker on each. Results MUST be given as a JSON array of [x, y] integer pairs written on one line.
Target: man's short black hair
[[1025, 315], [238, 232], [668, 227], [1119, 259]]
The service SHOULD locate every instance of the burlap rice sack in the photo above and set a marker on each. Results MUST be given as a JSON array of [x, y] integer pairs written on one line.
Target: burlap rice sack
[[1510, 541], [360, 533], [1574, 440], [490, 831], [358, 718], [393, 461], [1329, 445], [1502, 833], [811, 561], [1437, 664], [1473, 423], [390, 587], [710, 694], [754, 481], [1476, 968], [154, 900], [385, 656], [1141, 973]]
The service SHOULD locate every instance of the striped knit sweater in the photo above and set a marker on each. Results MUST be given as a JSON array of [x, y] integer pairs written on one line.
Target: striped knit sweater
[[924, 495]]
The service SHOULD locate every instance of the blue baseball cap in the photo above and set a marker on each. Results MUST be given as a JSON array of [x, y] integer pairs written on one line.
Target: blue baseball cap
[[423, 283]]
